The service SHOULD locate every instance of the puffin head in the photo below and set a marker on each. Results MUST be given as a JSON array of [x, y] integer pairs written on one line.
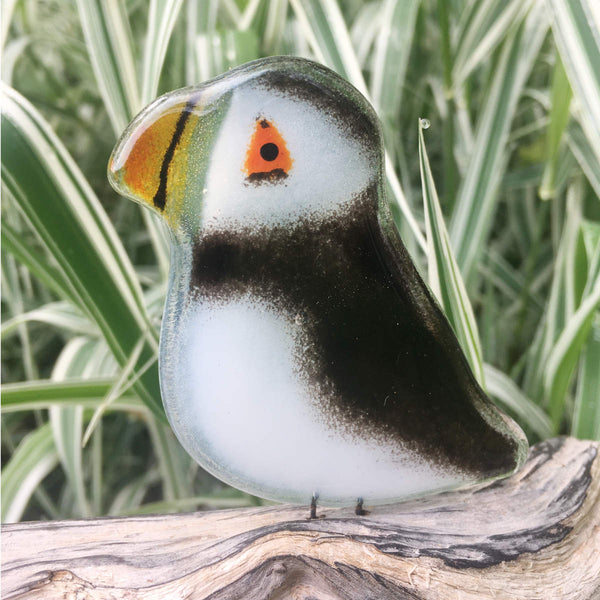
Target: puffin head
[[271, 143]]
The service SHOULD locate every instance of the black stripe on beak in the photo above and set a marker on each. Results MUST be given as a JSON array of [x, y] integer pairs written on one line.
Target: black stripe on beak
[[160, 198]]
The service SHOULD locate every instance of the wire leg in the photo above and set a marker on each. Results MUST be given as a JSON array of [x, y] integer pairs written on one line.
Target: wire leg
[[359, 510]]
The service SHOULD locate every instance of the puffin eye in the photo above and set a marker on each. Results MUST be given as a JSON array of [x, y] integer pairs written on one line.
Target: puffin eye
[[269, 151], [267, 157]]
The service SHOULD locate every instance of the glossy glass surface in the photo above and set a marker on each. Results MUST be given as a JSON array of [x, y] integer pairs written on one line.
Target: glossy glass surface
[[301, 353]]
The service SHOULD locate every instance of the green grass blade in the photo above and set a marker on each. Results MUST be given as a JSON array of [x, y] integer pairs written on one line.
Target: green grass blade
[[173, 460], [327, 34], [324, 27], [217, 52], [39, 164], [114, 393], [249, 14], [392, 49], [201, 40], [67, 422], [57, 314], [559, 117], [364, 31], [511, 281], [97, 467], [34, 458], [201, 18], [484, 28], [36, 263], [477, 196], [129, 498], [67, 429], [161, 21], [160, 243], [68, 218], [444, 276], [582, 149], [11, 55], [447, 105], [42, 394], [586, 413], [575, 271], [400, 199], [590, 231], [7, 7], [275, 26], [566, 351], [108, 40], [17, 289], [574, 298], [576, 29], [510, 397], [230, 12], [557, 311], [564, 356]]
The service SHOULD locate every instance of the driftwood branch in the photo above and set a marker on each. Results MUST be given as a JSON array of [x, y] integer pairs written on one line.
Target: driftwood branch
[[533, 536]]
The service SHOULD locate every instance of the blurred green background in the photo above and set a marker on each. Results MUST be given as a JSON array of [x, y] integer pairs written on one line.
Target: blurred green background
[[496, 196]]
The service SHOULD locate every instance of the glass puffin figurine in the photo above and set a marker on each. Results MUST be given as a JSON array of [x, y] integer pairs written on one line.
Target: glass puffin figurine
[[301, 355]]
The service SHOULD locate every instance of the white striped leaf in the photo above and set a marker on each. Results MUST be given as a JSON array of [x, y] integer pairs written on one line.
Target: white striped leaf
[[248, 15], [7, 7], [42, 394], [561, 301], [392, 49], [108, 40], [581, 148], [444, 275], [34, 458], [477, 196], [559, 118], [576, 29], [68, 218], [58, 314], [485, 25], [218, 52], [173, 461], [129, 498], [364, 31], [274, 29], [565, 353], [586, 412], [161, 21], [67, 421], [325, 30], [324, 26], [510, 397], [109, 44], [36, 262]]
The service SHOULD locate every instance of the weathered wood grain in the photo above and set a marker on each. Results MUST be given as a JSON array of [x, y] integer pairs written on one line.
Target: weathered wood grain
[[533, 536]]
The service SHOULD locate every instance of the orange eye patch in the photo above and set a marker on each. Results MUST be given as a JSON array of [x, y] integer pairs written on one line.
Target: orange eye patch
[[267, 157]]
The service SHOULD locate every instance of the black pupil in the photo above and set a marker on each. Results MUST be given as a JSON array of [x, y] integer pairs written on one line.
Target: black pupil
[[269, 151]]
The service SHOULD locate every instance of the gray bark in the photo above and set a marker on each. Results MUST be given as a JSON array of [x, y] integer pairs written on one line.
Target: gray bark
[[532, 536]]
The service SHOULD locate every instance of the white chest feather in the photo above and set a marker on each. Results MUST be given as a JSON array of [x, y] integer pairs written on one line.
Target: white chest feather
[[243, 408]]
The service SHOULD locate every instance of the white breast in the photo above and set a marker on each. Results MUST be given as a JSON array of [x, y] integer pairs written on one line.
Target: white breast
[[237, 398]]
